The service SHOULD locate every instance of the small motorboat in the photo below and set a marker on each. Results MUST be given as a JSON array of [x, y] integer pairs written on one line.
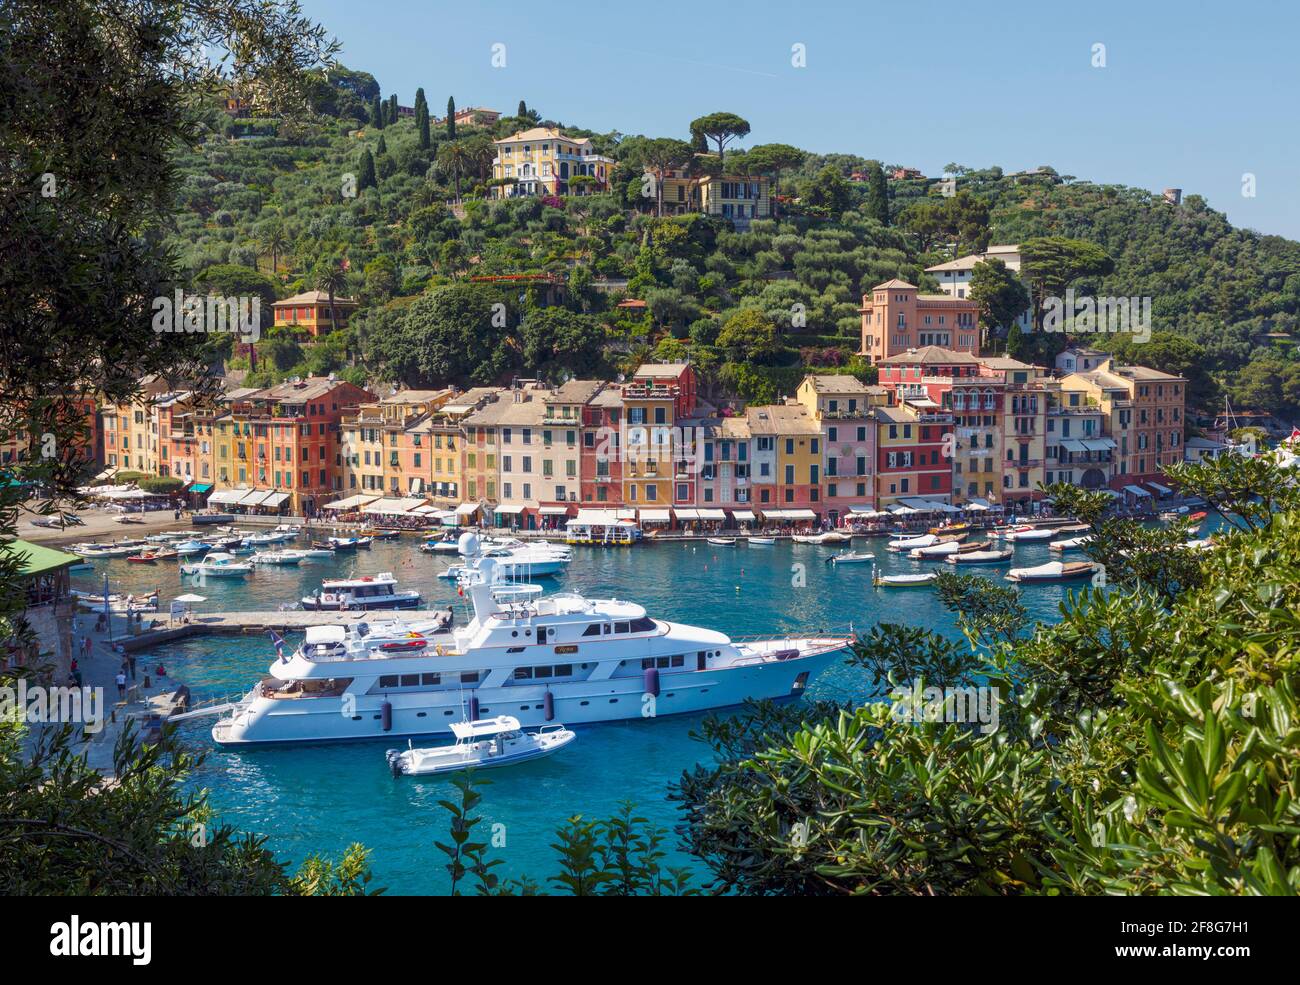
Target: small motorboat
[[952, 528], [1029, 533], [284, 557], [380, 534], [904, 581], [851, 557], [150, 555], [319, 551], [218, 564], [482, 743], [1053, 571], [125, 518], [349, 543], [117, 604], [945, 548], [761, 541], [827, 537], [187, 547], [722, 541], [981, 557], [436, 545], [912, 543], [1069, 544]]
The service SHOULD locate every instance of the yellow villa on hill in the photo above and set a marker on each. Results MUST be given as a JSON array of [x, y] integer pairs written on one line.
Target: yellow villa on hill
[[542, 161]]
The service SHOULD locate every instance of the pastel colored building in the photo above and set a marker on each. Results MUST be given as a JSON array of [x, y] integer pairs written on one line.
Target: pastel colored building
[[543, 161], [309, 313], [955, 276], [795, 455], [842, 406], [600, 467], [910, 454], [895, 318]]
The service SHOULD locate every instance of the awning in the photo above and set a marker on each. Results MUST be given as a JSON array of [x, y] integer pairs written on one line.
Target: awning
[[230, 496], [554, 511], [600, 518], [467, 509], [1100, 444], [928, 505], [1073, 444], [789, 515], [352, 502], [743, 516], [1162, 490], [108, 473], [685, 513], [712, 514], [393, 507], [1136, 491], [275, 499], [508, 510], [978, 503], [656, 516], [201, 487], [255, 497]]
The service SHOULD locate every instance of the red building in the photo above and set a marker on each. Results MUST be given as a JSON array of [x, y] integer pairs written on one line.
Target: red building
[[601, 460]]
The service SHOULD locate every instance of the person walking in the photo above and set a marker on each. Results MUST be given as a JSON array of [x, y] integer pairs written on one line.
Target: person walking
[[130, 660], [121, 685]]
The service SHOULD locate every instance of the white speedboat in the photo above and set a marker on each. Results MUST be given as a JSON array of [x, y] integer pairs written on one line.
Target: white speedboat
[[218, 564], [827, 537], [912, 543], [1027, 533], [371, 592], [538, 659], [117, 604], [349, 543], [480, 744], [515, 559], [761, 541], [187, 548], [721, 541], [851, 557], [981, 557], [318, 552], [278, 557]]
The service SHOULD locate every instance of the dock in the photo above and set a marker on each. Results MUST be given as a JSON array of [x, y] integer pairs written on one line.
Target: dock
[[254, 623]]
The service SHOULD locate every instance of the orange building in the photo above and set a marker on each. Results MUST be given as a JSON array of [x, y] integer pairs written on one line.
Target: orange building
[[310, 312], [896, 318]]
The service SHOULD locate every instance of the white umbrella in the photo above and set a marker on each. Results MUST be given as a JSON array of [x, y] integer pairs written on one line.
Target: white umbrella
[[190, 598]]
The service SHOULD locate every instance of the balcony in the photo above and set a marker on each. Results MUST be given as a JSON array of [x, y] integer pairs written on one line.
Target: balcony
[[1028, 463]]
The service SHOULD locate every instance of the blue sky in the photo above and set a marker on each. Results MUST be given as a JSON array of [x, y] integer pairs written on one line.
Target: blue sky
[[1193, 94]]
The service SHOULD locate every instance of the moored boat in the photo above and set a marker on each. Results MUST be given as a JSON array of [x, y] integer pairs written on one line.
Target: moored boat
[[945, 548], [722, 541], [371, 592], [851, 557], [1069, 544], [904, 581], [1027, 533], [218, 564], [981, 557], [282, 557], [761, 541], [1053, 571], [483, 743]]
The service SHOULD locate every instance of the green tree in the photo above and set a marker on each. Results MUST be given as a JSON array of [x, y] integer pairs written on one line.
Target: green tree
[[749, 336], [376, 113], [366, 177], [1051, 264], [458, 332], [773, 159], [721, 128], [451, 118], [999, 293], [877, 193], [330, 277]]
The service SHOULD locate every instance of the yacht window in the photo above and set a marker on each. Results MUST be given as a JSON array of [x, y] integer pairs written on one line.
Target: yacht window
[[389, 680], [523, 673], [647, 663], [661, 662], [621, 627], [592, 630], [643, 625], [410, 680], [428, 680], [469, 677], [679, 660], [544, 671], [563, 670], [515, 649], [606, 629]]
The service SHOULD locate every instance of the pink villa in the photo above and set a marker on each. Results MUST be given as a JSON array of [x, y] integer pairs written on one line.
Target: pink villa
[[896, 318]]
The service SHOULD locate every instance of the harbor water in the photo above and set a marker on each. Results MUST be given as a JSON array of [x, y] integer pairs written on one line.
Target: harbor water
[[321, 798]]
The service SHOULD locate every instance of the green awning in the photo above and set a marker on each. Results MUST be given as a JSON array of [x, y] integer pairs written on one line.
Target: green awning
[[37, 560], [201, 487]]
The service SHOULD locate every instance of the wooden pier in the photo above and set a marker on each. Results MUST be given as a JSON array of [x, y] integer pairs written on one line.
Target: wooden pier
[[252, 623]]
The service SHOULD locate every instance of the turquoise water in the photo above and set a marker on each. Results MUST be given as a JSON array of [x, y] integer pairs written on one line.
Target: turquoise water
[[322, 798]]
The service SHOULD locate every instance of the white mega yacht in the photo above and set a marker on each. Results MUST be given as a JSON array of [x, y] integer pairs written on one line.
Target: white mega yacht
[[560, 658]]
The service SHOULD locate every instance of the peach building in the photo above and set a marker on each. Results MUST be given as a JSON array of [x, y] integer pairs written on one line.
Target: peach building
[[895, 318]]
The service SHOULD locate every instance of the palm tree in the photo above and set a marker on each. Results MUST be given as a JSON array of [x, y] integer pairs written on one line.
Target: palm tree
[[453, 160], [274, 239], [331, 279]]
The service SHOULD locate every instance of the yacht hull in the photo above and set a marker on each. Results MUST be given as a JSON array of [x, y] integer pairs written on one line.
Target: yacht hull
[[267, 721]]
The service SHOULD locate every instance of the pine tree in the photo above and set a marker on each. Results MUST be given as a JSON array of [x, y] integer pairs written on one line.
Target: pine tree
[[451, 118], [367, 177], [382, 147]]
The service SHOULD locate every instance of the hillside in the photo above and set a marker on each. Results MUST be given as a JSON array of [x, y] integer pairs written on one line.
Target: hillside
[[1227, 298]]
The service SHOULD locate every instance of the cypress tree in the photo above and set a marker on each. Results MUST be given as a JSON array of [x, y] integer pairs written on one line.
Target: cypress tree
[[376, 113], [451, 118], [523, 108], [382, 148], [393, 114], [366, 179], [422, 124], [877, 193]]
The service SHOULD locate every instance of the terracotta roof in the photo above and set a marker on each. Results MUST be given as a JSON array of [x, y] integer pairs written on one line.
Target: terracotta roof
[[894, 283], [315, 297], [781, 419], [840, 383], [574, 392], [660, 370], [928, 355]]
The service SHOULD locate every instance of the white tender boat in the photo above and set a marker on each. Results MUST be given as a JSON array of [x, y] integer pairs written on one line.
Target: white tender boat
[[482, 743], [904, 581], [318, 552], [761, 541], [981, 557], [278, 557], [851, 557], [912, 543], [1029, 533], [218, 564], [559, 658], [117, 604], [827, 537], [188, 547], [1069, 544], [514, 559], [722, 541], [371, 592], [1053, 571]]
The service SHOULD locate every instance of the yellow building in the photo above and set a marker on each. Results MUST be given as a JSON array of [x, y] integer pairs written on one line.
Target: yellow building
[[741, 198], [309, 313], [542, 161]]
